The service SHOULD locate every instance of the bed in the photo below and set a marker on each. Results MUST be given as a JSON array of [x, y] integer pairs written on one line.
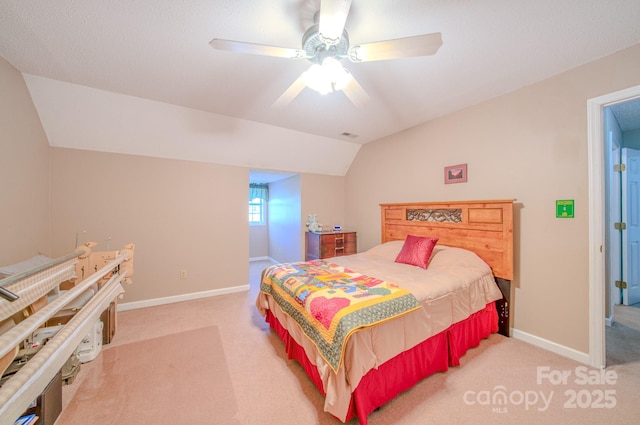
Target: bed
[[368, 326]]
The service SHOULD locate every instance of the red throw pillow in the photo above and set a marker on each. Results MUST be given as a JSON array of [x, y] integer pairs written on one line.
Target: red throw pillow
[[416, 251]]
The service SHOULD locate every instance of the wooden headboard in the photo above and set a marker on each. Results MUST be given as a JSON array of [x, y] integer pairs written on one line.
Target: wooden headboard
[[484, 227]]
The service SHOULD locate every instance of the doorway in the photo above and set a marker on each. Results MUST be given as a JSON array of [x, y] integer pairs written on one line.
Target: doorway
[[277, 237], [622, 232], [600, 295]]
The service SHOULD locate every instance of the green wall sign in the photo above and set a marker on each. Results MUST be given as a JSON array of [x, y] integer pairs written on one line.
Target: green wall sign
[[564, 208]]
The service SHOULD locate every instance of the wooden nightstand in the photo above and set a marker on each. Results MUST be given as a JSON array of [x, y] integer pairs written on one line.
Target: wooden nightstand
[[327, 245], [504, 306]]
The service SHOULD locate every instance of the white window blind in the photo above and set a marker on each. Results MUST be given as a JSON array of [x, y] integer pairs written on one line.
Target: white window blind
[[258, 198]]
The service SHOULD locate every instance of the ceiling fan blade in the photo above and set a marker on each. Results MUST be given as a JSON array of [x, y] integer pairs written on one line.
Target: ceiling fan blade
[[356, 94], [333, 16], [256, 49], [419, 45], [289, 94]]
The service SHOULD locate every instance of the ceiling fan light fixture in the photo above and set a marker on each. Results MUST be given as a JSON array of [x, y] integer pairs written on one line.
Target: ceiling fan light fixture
[[332, 18], [317, 49], [356, 55], [326, 78], [329, 41], [325, 44]]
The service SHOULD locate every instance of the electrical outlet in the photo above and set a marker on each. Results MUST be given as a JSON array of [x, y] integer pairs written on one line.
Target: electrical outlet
[[183, 274]]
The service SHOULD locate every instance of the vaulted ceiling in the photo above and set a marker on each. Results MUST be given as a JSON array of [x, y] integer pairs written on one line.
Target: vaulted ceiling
[[140, 76]]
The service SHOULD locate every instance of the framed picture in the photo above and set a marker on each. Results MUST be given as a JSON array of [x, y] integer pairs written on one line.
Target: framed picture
[[455, 174]]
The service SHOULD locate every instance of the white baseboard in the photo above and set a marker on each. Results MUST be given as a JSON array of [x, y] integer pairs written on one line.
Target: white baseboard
[[608, 321], [551, 346], [184, 297], [266, 258]]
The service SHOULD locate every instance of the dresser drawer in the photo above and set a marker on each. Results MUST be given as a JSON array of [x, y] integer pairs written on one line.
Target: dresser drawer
[[327, 245]]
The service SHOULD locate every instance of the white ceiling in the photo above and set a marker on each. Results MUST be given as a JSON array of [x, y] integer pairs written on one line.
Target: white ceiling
[[156, 54]]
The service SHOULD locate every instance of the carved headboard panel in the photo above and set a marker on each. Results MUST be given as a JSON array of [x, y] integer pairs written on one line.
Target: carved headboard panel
[[484, 227]]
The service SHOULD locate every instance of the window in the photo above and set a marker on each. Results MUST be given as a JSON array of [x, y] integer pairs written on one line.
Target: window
[[258, 197]]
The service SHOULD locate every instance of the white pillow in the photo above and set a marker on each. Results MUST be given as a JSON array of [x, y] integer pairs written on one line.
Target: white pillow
[[388, 250]]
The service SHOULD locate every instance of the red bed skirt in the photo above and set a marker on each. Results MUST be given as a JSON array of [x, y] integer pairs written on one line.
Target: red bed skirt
[[408, 368]]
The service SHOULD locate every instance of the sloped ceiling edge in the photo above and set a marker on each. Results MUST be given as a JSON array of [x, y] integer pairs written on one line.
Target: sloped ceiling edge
[[80, 117]]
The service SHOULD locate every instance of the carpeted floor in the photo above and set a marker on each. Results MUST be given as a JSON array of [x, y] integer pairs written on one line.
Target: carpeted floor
[[503, 381], [623, 345], [136, 382], [628, 316]]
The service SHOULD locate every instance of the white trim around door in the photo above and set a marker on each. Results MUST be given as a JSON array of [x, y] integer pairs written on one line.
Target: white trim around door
[[595, 140]]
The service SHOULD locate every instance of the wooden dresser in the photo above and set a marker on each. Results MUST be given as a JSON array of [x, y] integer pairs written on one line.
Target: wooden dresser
[[326, 245]]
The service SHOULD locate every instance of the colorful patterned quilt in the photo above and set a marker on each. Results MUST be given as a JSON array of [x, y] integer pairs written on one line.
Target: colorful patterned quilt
[[331, 302]]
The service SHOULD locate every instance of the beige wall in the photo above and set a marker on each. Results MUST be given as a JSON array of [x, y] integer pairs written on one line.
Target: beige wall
[[284, 219], [324, 196], [530, 145], [24, 172], [180, 214], [258, 241]]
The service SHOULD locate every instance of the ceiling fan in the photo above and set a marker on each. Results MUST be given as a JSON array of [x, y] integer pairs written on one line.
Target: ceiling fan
[[326, 44]]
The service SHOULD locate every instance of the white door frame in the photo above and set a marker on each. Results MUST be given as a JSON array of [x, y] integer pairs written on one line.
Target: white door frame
[[595, 150]]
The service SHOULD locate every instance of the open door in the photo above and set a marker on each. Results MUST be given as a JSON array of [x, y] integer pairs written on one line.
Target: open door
[[613, 156], [631, 218]]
